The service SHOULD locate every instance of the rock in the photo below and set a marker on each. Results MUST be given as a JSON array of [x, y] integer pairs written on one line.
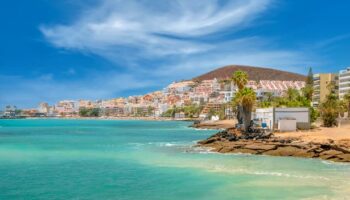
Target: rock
[[305, 154], [331, 152], [330, 155], [260, 146], [208, 141], [327, 157], [233, 138], [233, 141], [344, 157], [285, 151], [326, 146], [225, 150], [338, 148]]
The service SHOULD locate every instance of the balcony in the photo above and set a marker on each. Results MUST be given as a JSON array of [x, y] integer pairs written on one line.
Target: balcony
[[344, 90], [344, 78], [344, 73]]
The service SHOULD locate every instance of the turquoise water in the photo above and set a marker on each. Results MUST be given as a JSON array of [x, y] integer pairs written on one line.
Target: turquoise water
[[101, 159]]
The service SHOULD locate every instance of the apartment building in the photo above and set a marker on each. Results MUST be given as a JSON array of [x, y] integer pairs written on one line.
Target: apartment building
[[321, 87], [344, 82]]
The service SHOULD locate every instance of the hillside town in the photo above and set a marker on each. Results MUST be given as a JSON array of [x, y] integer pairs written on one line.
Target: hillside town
[[184, 99], [209, 94]]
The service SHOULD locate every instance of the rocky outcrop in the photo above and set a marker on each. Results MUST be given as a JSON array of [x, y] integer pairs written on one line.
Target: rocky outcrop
[[232, 141]]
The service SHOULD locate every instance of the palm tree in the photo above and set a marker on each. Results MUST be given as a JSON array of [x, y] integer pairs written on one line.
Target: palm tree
[[292, 94], [308, 91], [240, 79], [246, 98]]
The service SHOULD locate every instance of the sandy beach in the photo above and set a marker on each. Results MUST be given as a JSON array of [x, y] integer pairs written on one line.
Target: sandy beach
[[339, 135]]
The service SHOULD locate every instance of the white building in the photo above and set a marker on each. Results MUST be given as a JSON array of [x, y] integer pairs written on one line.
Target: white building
[[272, 116], [344, 82], [43, 108]]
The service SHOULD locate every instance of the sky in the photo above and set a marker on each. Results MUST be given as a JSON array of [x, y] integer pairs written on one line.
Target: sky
[[101, 49]]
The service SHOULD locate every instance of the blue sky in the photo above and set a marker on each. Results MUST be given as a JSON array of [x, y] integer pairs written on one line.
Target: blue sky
[[99, 49]]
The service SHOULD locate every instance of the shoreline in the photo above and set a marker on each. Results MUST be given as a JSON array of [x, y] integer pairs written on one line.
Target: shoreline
[[216, 125], [330, 144]]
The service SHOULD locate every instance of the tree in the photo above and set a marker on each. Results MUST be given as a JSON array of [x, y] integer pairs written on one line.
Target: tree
[[89, 112], [347, 102], [150, 110], [310, 78], [246, 98], [330, 110], [240, 79], [307, 92], [292, 94], [192, 110], [268, 96]]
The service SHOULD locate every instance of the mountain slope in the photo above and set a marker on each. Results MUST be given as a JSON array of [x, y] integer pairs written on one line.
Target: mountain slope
[[254, 73]]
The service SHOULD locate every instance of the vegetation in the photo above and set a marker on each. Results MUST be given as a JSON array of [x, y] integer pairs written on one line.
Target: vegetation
[[332, 107], [89, 112], [246, 98], [330, 110], [347, 102], [240, 79], [18, 112], [150, 110], [308, 90], [292, 98], [220, 113], [190, 111]]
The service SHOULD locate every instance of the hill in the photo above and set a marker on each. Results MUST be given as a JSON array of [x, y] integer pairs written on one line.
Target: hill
[[254, 73]]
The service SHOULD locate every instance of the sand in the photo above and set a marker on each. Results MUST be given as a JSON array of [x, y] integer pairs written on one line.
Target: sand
[[340, 135]]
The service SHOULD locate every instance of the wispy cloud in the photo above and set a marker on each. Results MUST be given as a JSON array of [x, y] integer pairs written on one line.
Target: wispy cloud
[[330, 41], [152, 28]]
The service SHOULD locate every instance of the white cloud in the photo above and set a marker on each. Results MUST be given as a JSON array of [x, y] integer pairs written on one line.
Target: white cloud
[[153, 28]]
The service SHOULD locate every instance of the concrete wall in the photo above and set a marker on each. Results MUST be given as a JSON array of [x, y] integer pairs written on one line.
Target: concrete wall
[[287, 125], [302, 116]]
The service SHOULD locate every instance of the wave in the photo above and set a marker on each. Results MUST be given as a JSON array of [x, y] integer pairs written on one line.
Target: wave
[[264, 173], [329, 162]]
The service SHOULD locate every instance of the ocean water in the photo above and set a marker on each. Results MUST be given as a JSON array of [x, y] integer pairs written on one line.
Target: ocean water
[[148, 160]]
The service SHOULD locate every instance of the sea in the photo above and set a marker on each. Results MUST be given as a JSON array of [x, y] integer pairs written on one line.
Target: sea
[[148, 160]]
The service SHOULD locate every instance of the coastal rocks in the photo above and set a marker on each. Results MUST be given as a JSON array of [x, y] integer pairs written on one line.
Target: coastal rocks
[[232, 141], [287, 151]]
